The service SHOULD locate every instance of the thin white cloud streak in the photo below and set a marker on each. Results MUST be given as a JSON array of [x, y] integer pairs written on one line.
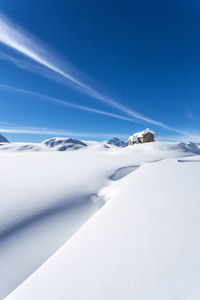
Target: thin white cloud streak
[[15, 61], [189, 114], [20, 129], [26, 65], [45, 131], [184, 138], [18, 40], [66, 103], [34, 68], [12, 37], [6, 123]]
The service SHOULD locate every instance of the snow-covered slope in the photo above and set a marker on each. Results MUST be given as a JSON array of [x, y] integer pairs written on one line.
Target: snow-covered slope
[[21, 147], [46, 196], [143, 244], [3, 139]]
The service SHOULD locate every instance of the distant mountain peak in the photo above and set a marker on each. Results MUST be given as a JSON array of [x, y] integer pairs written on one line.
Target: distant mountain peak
[[3, 139], [63, 144], [116, 142]]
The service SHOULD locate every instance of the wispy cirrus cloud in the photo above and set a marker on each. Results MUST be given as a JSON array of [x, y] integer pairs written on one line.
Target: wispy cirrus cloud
[[189, 113], [17, 39], [26, 65], [193, 137], [67, 103], [23, 129], [20, 129]]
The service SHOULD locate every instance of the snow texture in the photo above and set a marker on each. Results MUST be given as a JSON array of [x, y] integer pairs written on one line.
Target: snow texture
[[142, 244]]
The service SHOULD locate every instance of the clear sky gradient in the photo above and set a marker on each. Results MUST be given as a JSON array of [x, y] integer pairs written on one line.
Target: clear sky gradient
[[97, 69]]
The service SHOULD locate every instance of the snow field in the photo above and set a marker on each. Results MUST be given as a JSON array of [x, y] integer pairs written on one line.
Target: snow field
[[46, 196], [143, 244]]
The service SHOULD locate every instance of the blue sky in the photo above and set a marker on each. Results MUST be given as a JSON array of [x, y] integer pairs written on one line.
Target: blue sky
[[97, 69]]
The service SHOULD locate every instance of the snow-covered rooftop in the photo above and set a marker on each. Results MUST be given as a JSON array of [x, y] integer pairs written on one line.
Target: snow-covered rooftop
[[140, 134], [133, 138]]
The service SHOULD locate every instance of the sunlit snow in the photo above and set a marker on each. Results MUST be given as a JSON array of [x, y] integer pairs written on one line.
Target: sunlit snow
[[127, 220]]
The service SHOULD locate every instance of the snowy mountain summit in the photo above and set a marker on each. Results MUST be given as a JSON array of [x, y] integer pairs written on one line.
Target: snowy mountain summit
[[116, 142], [3, 139], [63, 144]]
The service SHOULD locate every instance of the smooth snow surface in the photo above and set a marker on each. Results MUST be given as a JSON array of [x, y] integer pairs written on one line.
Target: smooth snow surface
[[143, 244]]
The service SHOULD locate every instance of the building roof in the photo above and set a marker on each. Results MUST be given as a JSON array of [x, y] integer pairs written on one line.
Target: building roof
[[135, 136]]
